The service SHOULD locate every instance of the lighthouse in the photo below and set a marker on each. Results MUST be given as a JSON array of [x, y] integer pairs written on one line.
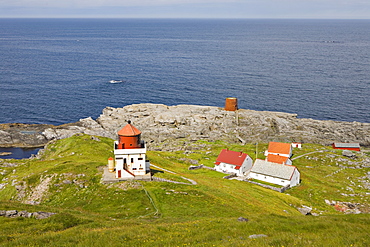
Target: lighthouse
[[130, 153]]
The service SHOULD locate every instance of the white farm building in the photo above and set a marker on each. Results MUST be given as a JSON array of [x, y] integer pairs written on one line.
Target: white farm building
[[275, 173]]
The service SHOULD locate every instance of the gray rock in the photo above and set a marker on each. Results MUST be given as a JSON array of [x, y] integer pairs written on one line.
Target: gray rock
[[348, 153], [11, 213], [42, 215], [305, 210], [95, 138], [195, 167], [242, 219], [22, 213], [191, 161], [28, 215], [159, 123], [258, 236]]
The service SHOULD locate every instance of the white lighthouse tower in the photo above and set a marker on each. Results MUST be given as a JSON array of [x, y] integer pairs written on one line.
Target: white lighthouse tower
[[130, 154]]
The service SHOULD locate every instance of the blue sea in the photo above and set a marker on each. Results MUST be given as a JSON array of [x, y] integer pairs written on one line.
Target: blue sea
[[57, 71]]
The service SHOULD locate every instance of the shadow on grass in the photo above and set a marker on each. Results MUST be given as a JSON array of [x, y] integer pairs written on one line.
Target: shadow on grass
[[154, 171]]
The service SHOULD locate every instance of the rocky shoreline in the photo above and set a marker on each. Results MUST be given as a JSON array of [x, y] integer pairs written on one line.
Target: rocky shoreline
[[160, 123]]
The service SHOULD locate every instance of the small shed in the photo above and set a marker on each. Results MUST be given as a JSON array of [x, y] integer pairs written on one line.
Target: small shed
[[233, 162], [296, 145], [347, 146]]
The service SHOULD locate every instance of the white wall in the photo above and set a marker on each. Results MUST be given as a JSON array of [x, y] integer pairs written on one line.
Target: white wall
[[224, 167], [284, 182], [246, 166], [288, 162], [135, 163], [295, 178], [269, 179]]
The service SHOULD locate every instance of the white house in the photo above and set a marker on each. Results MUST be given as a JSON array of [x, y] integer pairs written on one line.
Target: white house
[[233, 162], [279, 148], [279, 152], [274, 173], [130, 153]]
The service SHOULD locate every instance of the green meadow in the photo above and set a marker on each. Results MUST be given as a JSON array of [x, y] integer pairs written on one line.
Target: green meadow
[[66, 180]]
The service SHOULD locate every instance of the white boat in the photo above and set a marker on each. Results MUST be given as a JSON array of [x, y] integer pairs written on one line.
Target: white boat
[[115, 81]]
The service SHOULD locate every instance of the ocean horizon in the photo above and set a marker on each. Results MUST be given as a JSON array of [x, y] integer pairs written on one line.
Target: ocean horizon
[[57, 71]]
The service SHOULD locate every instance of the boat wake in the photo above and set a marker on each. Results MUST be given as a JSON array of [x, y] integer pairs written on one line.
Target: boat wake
[[115, 81]]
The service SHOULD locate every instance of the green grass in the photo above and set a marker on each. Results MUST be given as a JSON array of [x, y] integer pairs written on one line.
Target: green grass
[[139, 213]]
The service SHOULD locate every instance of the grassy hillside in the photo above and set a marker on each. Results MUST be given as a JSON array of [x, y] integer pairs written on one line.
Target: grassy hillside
[[66, 180]]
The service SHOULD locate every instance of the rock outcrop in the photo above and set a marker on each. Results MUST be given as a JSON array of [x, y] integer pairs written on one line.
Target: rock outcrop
[[160, 123], [25, 214]]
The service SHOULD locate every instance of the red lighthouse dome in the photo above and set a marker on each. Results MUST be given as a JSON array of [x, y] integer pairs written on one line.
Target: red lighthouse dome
[[129, 137]]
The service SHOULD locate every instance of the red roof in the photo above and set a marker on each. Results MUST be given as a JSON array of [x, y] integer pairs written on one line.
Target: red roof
[[279, 148], [129, 130], [276, 159], [231, 157]]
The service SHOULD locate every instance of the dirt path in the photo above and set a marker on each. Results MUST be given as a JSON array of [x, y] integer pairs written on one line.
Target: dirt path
[[309, 154]]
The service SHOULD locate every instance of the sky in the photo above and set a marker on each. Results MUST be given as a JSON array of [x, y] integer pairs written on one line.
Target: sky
[[301, 9]]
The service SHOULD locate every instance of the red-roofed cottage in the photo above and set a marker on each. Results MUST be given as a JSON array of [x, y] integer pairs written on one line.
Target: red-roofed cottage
[[129, 152], [233, 162]]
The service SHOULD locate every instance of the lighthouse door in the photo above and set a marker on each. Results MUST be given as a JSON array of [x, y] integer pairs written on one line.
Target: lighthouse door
[[119, 173]]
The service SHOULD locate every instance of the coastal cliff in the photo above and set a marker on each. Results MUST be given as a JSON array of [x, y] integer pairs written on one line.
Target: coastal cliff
[[160, 123]]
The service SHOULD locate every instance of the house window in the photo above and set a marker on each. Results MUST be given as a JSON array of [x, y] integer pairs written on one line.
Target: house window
[[134, 168], [132, 160], [140, 158]]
